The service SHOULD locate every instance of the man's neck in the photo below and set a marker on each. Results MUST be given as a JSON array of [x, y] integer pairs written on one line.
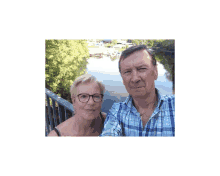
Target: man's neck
[[145, 102]]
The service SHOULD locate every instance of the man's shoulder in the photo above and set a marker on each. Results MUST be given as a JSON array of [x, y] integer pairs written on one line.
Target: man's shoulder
[[168, 102], [168, 97]]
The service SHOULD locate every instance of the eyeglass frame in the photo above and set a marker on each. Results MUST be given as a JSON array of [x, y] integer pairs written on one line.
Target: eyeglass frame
[[89, 97]]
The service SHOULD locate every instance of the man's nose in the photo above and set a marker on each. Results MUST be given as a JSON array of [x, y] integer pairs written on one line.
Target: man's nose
[[135, 77]]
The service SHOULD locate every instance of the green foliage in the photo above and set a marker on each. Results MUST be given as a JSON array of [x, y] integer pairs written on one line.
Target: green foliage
[[108, 45], [92, 46], [150, 43], [65, 61], [114, 42], [136, 42], [140, 41], [165, 54], [122, 49]]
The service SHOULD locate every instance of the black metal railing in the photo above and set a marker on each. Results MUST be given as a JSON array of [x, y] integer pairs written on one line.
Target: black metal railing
[[60, 111]]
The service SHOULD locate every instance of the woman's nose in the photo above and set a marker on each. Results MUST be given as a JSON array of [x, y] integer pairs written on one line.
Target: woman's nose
[[90, 101]]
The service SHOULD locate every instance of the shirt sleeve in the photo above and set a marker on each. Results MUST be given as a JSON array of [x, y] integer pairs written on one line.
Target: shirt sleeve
[[112, 126]]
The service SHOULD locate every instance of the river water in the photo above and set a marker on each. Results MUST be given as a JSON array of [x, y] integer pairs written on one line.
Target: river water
[[106, 70]]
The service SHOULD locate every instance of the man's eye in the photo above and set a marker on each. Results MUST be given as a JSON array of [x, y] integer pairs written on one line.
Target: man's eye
[[127, 71], [142, 69]]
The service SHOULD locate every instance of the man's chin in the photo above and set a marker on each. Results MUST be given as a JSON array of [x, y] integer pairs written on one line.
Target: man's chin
[[138, 94]]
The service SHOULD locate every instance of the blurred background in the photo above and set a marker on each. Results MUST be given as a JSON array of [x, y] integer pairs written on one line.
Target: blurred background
[[65, 60]]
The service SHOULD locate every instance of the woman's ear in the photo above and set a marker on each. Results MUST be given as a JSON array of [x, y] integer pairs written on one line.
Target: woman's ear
[[73, 99]]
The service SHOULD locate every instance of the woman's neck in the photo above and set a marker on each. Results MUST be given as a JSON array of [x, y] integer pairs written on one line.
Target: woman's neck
[[83, 125]]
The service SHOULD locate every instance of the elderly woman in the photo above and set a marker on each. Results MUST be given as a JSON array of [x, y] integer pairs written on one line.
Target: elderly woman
[[88, 120]]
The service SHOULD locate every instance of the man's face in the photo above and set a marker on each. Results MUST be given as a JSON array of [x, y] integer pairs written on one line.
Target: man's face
[[138, 74]]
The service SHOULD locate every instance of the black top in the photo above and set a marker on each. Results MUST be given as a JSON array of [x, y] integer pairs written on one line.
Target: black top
[[58, 133]]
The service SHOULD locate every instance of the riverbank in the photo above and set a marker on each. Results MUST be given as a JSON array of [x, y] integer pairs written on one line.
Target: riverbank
[[102, 50]]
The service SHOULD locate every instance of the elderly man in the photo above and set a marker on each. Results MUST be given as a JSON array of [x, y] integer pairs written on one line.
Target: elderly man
[[145, 112]]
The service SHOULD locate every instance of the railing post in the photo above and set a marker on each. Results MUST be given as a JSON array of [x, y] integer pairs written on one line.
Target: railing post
[[47, 122], [65, 113], [62, 104], [54, 113], [50, 118], [60, 113]]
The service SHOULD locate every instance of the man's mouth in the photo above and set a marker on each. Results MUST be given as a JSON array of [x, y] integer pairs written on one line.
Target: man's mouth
[[90, 109], [137, 87]]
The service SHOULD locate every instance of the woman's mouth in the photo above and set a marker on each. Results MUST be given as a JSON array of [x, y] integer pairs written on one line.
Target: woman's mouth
[[90, 109]]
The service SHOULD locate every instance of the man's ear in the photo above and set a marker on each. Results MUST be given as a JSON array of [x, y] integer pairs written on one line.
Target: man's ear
[[123, 81], [155, 72]]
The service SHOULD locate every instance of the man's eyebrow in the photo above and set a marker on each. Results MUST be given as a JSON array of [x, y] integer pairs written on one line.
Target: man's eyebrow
[[142, 65], [128, 68]]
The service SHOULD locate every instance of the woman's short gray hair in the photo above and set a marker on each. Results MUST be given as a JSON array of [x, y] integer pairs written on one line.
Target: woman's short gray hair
[[84, 79]]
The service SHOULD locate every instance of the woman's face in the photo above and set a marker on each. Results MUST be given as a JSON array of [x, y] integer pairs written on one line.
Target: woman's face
[[90, 109]]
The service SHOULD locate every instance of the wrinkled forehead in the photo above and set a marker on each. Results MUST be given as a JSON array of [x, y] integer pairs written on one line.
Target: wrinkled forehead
[[137, 58]]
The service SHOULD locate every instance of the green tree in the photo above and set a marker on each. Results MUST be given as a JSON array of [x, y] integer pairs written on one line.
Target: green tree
[[65, 61], [140, 41], [114, 42], [165, 54], [136, 42]]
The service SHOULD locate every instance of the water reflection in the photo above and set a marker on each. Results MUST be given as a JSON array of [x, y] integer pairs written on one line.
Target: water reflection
[[106, 70]]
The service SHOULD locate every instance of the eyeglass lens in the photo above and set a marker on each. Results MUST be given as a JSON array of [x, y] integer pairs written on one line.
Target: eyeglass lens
[[85, 97]]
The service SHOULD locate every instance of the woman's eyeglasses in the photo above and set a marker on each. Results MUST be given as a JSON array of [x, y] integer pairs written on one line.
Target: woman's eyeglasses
[[85, 97]]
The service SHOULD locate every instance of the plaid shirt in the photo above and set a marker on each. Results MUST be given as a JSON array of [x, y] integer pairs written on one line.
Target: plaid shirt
[[123, 119]]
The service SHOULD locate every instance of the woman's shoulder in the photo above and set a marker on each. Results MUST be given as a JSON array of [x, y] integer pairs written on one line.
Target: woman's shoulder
[[52, 133], [62, 127]]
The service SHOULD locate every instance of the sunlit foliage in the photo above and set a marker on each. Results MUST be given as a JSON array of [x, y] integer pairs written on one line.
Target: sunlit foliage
[[65, 61]]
